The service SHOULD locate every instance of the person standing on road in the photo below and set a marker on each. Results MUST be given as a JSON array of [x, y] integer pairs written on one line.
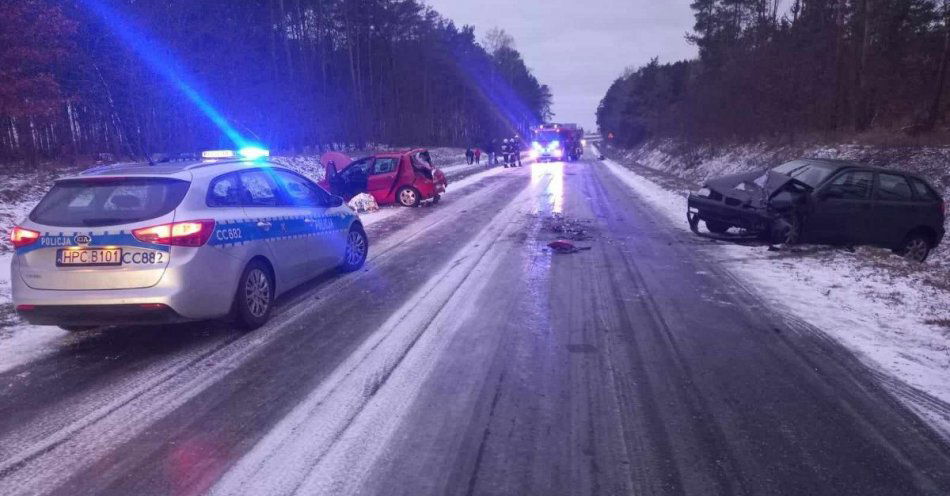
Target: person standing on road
[[478, 155], [516, 150], [469, 156]]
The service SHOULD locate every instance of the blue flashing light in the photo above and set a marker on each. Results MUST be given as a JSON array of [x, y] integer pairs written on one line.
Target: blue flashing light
[[253, 152], [536, 145], [159, 59]]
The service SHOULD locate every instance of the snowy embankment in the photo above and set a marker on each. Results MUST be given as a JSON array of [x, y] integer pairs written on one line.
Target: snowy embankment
[[20, 342], [893, 315]]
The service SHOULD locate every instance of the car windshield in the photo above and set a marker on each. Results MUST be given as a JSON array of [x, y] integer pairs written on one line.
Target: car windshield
[[810, 173], [108, 201], [547, 136]]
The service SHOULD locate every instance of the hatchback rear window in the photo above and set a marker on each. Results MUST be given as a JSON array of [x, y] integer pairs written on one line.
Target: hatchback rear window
[[923, 192], [893, 188], [108, 201]]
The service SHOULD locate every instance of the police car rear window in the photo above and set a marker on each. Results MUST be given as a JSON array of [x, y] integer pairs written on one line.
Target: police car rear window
[[108, 201]]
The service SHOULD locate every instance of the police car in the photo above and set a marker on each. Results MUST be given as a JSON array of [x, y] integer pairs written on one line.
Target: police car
[[205, 239]]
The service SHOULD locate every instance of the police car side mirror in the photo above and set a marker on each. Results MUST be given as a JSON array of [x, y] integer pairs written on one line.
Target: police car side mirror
[[334, 201]]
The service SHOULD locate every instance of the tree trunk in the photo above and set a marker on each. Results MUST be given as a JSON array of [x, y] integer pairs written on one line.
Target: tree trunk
[[934, 114]]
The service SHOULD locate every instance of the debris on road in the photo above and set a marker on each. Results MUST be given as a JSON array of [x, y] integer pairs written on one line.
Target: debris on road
[[564, 246], [567, 228], [363, 203]]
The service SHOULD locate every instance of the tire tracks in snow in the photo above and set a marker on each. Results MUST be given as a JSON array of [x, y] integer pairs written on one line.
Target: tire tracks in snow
[[329, 441]]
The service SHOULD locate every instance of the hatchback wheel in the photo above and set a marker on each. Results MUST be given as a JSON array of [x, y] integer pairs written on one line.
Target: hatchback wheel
[[357, 247], [255, 296], [408, 197], [916, 248]]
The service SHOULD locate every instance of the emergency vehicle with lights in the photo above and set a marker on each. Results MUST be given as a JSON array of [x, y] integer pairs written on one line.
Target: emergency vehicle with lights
[[557, 142], [180, 241]]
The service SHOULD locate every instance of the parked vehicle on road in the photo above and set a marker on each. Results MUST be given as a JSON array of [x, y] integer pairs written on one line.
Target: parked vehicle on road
[[554, 142], [825, 201], [141, 244], [405, 177]]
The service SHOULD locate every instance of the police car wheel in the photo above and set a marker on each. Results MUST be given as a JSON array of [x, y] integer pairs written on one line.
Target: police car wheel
[[408, 197], [357, 247], [255, 296]]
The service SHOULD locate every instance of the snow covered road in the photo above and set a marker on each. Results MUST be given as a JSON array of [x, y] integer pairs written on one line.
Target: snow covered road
[[469, 359]]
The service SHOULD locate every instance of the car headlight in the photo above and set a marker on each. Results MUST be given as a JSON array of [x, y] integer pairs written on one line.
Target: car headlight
[[704, 192]]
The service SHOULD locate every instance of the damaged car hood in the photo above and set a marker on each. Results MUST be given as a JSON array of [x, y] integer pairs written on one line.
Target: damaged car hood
[[751, 188]]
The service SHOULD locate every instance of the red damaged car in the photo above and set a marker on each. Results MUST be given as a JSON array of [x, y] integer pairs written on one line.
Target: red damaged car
[[404, 177]]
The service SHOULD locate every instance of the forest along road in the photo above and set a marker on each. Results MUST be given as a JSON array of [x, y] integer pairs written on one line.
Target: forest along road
[[470, 359]]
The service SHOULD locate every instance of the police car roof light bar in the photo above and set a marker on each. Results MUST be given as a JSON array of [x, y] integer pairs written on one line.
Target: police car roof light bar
[[217, 154]]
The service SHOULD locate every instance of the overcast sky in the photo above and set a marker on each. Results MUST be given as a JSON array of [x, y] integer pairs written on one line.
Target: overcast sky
[[579, 47]]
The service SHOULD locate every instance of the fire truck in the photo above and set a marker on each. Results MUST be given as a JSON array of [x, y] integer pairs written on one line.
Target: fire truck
[[557, 142]]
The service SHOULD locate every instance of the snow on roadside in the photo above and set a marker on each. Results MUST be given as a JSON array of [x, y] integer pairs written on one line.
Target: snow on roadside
[[20, 342], [897, 323], [308, 165]]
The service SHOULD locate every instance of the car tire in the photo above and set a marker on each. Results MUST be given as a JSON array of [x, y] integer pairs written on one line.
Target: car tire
[[357, 248], [717, 227], [254, 298], [916, 247], [78, 329], [407, 196], [787, 230]]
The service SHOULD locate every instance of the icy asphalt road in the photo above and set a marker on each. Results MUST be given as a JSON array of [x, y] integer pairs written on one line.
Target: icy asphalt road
[[469, 359]]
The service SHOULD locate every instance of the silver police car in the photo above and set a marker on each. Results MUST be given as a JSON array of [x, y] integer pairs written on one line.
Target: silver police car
[[177, 242]]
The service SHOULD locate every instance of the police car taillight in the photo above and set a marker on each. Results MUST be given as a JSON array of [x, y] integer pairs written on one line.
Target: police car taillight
[[23, 237], [187, 233]]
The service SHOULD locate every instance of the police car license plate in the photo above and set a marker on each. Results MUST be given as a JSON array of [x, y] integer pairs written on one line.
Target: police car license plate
[[87, 257]]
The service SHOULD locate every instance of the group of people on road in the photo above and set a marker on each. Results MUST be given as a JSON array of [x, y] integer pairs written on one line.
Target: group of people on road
[[511, 152], [506, 152], [473, 155]]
